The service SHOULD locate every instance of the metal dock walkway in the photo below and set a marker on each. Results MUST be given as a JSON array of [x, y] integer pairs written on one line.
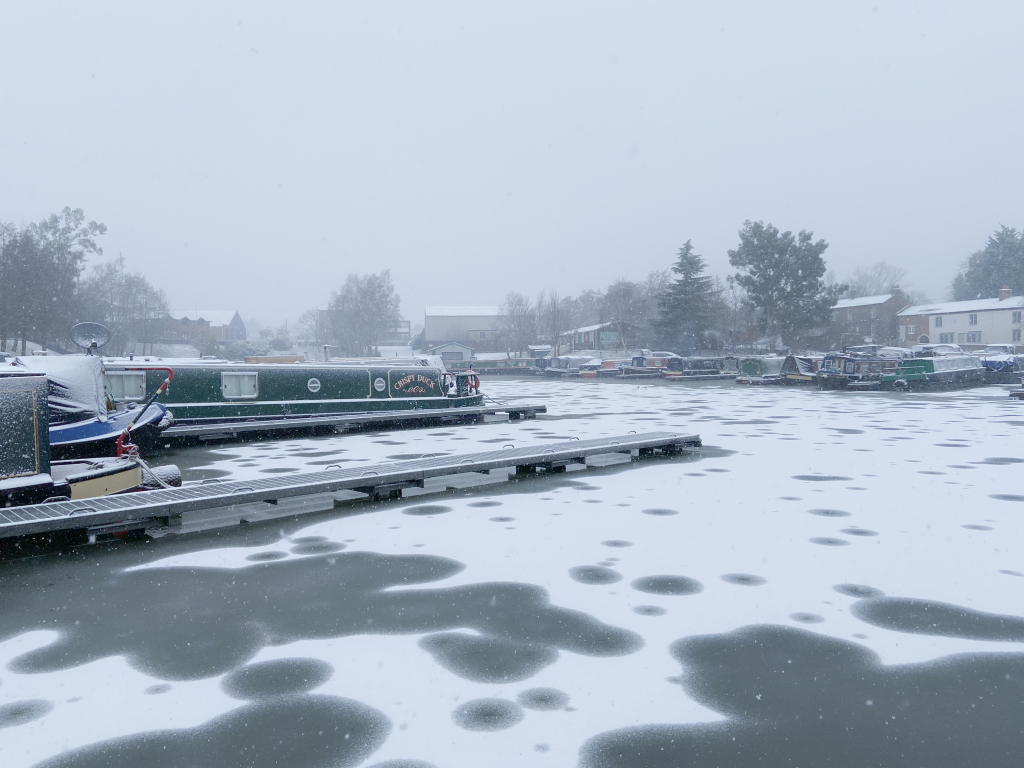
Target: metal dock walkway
[[221, 429], [162, 509]]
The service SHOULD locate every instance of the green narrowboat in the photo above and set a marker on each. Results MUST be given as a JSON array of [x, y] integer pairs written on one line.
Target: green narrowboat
[[208, 391], [760, 370], [947, 371]]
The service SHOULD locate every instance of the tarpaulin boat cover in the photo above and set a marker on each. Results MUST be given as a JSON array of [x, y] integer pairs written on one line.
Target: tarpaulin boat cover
[[76, 385], [999, 362], [805, 365]]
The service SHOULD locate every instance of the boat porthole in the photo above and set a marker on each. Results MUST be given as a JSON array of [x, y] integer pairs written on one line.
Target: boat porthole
[[313, 385], [379, 384]]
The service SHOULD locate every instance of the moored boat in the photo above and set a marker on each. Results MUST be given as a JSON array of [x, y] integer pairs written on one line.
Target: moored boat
[[219, 392], [760, 370], [846, 370], [701, 368], [801, 369], [29, 475], [83, 420], [945, 371]]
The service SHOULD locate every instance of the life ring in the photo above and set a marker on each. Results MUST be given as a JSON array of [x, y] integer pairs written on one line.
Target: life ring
[[474, 381]]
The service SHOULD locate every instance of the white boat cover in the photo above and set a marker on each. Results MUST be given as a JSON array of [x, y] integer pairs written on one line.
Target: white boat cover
[[76, 385]]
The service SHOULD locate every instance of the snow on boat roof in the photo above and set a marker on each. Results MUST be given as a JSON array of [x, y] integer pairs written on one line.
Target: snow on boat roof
[[462, 310], [76, 384], [951, 307], [862, 301]]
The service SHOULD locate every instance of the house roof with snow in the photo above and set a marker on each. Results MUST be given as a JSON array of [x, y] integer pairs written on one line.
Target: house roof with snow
[[212, 316], [585, 329], [952, 307], [463, 310], [863, 301]]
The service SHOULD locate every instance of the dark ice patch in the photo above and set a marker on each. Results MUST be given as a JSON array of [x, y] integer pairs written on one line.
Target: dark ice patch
[[660, 512], [276, 678], [978, 527], [402, 764], [1006, 497], [484, 659], [543, 699], [1001, 461], [594, 574], [927, 617], [649, 610], [616, 543], [201, 622], [1012, 573], [828, 512], [155, 690], [427, 509], [744, 579], [487, 715], [807, 618], [308, 731], [24, 711], [484, 504], [858, 590], [317, 548], [859, 532], [266, 557], [667, 585], [308, 539], [501, 519], [821, 478], [796, 698], [828, 541]]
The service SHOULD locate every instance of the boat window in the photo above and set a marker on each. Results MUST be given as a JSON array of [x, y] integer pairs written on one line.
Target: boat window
[[127, 385], [238, 385]]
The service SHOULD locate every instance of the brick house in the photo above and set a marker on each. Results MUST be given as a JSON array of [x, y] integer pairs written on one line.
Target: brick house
[[868, 319], [198, 326]]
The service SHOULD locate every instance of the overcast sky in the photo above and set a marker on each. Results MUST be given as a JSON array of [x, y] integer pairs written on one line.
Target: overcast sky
[[248, 156]]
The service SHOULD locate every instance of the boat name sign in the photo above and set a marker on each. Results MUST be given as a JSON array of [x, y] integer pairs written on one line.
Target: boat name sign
[[313, 385], [413, 383]]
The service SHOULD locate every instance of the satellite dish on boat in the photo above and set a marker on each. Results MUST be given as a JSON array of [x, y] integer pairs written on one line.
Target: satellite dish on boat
[[89, 336]]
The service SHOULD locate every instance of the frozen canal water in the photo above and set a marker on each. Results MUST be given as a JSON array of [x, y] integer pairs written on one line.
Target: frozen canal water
[[837, 580]]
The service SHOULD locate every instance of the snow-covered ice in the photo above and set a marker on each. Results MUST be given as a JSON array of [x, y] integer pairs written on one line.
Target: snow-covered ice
[[868, 544]]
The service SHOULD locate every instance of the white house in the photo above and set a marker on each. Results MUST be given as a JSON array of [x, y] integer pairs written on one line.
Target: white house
[[974, 323]]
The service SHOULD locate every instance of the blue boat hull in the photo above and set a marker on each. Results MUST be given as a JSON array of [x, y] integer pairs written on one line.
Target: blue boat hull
[[92, 437]]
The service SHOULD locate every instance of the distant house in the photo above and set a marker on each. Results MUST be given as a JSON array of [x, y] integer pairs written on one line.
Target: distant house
[[600, 336], [868, 319], [973, 323], [475, 324], [452, 352], [198, 326]]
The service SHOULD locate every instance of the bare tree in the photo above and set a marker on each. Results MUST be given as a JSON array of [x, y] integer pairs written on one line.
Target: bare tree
[[363, 311], [876, 279], [517, 326], [554, 317], [126, 303], [312, 327]]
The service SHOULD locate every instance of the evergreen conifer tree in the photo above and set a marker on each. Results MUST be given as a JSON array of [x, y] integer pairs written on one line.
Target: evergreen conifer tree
[[687, 304]]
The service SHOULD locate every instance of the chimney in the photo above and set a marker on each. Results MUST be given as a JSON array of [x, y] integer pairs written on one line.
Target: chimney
[[1005, 293]]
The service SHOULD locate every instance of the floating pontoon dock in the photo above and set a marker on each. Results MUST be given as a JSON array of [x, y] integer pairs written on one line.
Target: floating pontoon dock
[[223, 429], [160, 512]]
